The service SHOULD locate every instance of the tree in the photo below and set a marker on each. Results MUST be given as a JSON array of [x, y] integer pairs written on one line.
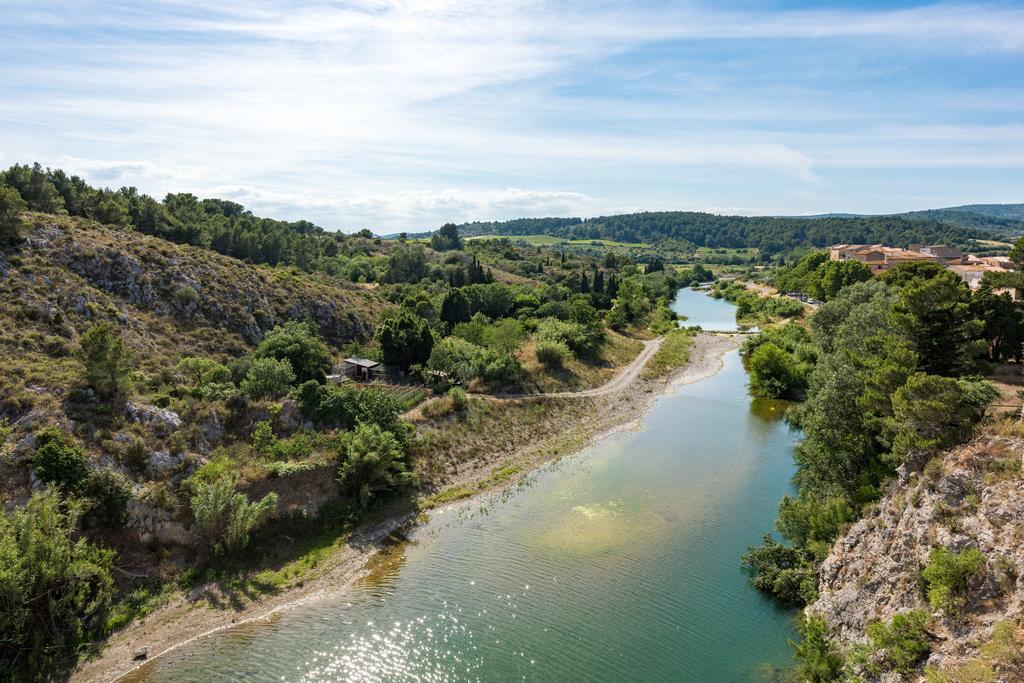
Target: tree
[[935, 316], [11, 208], [832, 276], [59, 461], [458, 359], [1003, 324], [226, 518], [404, 339], [268, 378], [373, 462], [35, 187], [446, 239], [299, 344], [106, 359], [774, 373], [818, 657], [455, 307], [55, 592], [108, 492]]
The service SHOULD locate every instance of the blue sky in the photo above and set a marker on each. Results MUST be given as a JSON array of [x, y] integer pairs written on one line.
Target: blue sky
[[404, 114]]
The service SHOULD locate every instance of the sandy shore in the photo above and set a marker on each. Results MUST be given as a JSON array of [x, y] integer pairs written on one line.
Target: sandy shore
[[189, 617]]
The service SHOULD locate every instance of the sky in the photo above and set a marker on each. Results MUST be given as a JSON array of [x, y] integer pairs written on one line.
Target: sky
[[406, 114]]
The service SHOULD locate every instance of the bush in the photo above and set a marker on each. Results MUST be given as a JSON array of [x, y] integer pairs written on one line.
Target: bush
[[551, 354], [781, 571], [948, 575], [299, 345], [584, 340], [458, 359], [106, 360], [904, 640], [818, 658], [328, 404], [374, 462], [268, 378], [438, 407], [109, 492], [55, 592], [225, 517], [58, 461], [458, 397], [774, 373], [185, 295]]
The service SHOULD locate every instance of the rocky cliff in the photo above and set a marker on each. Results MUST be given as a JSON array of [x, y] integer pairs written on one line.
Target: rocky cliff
[[969, 497]]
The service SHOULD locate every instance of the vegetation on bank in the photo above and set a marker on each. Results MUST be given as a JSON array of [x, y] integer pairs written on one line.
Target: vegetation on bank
[[672, 355], [754, 309], [888, 373]]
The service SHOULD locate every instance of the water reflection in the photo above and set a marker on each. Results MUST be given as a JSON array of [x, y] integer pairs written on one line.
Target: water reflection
[[620, 563]]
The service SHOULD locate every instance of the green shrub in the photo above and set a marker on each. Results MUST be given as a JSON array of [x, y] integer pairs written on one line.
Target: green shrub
[[262, 438], [373, 462], [285, 469], [226, 518], [107, 362], [55, 592], [58, 461], [818, 658], [551, 354], [584, 340], [458, 359], [438, 407], [268, 378], [785, 573], [774, 373], [948, 575], [185, 295], [109, 492], [904, 640], [298, 344], [458, 397], [328, 404]]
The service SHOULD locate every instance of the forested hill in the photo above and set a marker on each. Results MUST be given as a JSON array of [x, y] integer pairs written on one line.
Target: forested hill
[[1012, 211], [1001, 219], [216, 224], [770, 234]]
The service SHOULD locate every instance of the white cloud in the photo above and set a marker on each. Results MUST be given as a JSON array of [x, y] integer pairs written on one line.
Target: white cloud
[[404, 113]]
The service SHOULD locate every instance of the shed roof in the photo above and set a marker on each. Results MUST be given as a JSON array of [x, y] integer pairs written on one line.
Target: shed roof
[[362, 362]]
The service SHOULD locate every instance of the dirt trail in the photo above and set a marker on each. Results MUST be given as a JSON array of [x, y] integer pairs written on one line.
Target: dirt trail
[[626, 376]]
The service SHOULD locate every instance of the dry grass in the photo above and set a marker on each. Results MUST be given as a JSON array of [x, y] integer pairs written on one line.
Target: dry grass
[[577, 374], [488, 430]]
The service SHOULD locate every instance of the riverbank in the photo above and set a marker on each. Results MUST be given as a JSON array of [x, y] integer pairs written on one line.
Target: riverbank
[[192, 616]]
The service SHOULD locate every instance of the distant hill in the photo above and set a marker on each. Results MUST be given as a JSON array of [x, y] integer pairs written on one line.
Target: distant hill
[[770, 234], [1014, 211], [774, 234]]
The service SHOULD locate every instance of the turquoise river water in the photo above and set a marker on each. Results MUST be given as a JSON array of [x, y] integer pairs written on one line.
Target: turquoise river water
[[619, 563]]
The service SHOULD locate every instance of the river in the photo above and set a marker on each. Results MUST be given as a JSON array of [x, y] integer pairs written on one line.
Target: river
[[618, 563], [714, 315]]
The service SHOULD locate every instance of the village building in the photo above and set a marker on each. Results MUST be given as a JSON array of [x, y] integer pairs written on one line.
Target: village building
[[877, 257], [880, 258]]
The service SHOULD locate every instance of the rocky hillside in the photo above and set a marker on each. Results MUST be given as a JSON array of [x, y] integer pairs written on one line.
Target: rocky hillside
[[168, 299], [969, 498]]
